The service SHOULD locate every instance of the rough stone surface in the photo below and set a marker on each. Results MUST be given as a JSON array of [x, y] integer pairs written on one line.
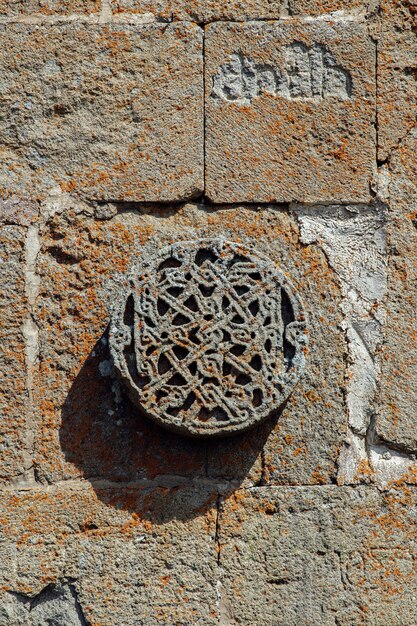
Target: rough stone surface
[[111, 152], [118, 116], [85, 260], [43, 8], [209, 337], [289, 112], [201, 11], [15, 445], [396, 415], [397, 72], [323, 555], [336, 7], [109, 555]]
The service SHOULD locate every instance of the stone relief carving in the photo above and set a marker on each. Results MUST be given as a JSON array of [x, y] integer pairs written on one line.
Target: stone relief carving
[[209, 339], [309, 72]]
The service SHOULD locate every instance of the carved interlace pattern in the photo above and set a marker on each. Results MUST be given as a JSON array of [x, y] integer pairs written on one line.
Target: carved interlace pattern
[[209, 339]]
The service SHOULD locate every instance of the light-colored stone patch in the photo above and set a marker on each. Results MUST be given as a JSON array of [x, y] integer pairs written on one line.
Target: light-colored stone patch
[[290, 111], [308, 74]]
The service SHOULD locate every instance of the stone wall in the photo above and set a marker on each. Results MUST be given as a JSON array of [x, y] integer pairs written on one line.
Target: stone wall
[[289, 128]]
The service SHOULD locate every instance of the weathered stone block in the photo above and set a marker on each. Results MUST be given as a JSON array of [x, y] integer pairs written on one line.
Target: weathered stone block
[[323, 7], [398, 396], [397, 71], [111, 555], [289, 111], [87, 425], [201, 11], [118, 116], [15, 442], [48, 7], [323, 555]]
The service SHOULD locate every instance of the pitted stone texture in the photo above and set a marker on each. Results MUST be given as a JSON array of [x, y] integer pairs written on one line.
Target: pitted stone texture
[[324, 555], [209, 337], [82, 408], [338, 7], [289, 111], [131, 555], [397, 71], [15, 447], [201, 11], [118, 116], [49, 7], [396, 422]]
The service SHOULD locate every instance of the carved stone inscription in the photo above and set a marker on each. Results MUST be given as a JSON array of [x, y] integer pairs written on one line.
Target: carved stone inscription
[[209, 339], [309, 72]]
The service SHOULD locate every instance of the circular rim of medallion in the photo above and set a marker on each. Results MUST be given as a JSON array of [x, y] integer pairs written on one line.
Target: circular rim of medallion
[[132, 321]]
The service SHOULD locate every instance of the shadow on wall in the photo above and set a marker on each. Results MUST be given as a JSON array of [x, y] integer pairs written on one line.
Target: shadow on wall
[[135, 465]]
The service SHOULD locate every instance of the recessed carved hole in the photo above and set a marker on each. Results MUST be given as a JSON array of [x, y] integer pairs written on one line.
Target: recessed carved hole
[[164, 335], [242, 379], [208, 317], [268, 345], [226, 336], [206, 291], [287, 313], [164, 365], [267, 321], [180, 352], [192, 336], [256, 363], [177, 380], [241, 289], [225, 303], [150, 350], [238, 258], [257, 397], [173, 410], [161, 394], [180, 320], [212, 351], [253, 335], [142, 381], [237, 319], [162, 306], [237, 350], [171, 262], [205, 255], [220, 414], [188, 276], [189, 401], [203, 414], [254, 307], [226, 368], [193, 368], [255, 276], [149, 322], [191, 303], [175, 291], [210, 380], [129, 312]]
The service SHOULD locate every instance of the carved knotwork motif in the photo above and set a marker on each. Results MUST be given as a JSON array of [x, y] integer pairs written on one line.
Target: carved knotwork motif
[[209, 339]]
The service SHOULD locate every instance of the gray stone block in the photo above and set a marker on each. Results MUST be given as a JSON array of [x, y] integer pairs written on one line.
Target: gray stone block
[[289, 111], [324, 555], [118, 116]]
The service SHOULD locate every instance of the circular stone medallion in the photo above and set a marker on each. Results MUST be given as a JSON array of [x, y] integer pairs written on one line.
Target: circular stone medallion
[[210, 338]]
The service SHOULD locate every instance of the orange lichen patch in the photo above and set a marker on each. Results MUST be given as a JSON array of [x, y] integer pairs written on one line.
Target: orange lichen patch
[[318, 477], [364, 472]]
